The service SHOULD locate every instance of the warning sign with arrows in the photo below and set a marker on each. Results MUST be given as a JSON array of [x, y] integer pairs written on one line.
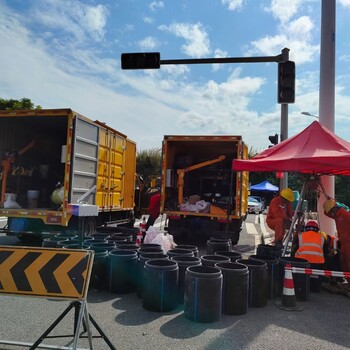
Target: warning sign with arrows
[[45, 272]]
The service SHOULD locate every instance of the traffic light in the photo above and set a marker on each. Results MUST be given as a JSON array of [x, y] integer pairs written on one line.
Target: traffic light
[[141, 60], [273, 139], [286, 82]]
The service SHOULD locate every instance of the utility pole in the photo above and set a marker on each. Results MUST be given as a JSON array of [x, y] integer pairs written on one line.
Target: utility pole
[[284, 123]]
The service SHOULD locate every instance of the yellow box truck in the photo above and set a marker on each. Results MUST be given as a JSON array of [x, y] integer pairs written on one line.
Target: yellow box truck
[[199, 192], [63, 171]]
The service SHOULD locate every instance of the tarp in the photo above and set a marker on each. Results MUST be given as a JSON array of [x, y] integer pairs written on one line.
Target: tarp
[[315, 150], [264, 186]]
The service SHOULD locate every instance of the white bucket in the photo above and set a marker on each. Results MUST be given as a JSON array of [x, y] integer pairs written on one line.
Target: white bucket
[[32, 198]]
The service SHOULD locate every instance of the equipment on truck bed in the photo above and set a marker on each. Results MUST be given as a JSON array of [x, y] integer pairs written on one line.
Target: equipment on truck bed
[[181, 174]]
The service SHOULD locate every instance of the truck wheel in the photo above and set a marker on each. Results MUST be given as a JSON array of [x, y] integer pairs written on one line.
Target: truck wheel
[[89, 226]]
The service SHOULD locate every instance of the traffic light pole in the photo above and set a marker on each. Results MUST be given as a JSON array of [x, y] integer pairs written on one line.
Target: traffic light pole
[[284, 123]]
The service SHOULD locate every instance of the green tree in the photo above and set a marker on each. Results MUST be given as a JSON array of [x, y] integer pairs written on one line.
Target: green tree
[[148, 162], [23, 103]]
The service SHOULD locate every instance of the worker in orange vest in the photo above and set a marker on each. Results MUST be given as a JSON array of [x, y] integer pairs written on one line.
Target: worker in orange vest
[[309, 245], [342, 222], [280, 214]]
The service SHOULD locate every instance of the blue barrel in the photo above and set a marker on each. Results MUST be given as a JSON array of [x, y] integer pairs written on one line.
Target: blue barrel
[[127, 246], [211, 260], [235, 288], [115, 239], [122, 271], [90, 241], [159, 291], [273, 274], [203, 294], [143, 249], [184, 262], [258, 277]]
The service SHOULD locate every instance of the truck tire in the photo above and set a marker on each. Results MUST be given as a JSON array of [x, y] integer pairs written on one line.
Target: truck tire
[[89, 225]]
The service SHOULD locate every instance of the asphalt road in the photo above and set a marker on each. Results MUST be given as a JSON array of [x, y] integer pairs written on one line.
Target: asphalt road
[[323, 323]]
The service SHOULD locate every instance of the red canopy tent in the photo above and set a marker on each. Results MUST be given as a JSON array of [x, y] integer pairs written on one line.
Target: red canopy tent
[[315, 150]]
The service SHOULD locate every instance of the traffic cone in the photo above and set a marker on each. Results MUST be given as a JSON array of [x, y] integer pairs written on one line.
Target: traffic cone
[[288, 300]]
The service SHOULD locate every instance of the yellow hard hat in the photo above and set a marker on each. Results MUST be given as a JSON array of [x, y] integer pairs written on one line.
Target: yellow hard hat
[[328, 205], [288, 194]]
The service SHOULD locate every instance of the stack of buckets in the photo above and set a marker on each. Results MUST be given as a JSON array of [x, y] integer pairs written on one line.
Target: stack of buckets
[[219, 282]]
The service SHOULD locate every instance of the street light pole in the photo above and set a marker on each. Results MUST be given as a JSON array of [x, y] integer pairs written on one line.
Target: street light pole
[[310, 115]]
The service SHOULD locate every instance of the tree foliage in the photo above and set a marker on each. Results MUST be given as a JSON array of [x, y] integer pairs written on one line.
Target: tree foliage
[[148, 162], [23, 103]]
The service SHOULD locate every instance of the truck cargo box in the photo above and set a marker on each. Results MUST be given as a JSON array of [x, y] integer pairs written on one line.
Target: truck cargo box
[[200, 192]]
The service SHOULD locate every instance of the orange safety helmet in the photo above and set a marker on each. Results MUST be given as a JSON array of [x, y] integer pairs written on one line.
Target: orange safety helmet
[[312, 226]]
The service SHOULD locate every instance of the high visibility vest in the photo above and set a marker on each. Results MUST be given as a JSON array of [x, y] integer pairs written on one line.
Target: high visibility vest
[[310, 247]]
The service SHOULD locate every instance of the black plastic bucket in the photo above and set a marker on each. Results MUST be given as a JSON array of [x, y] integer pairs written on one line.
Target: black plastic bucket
[[218, 244], [184, 262], [188, 247], [273, 274], [130, 232], [122, 271], [90, 241], [181, 252], [51, 242], [116, 239], [108, 246], [159, 291], [76, 246], [211, 260], [258, 277], [140, 268], [127, 246], [232, 255], [301, 281], [315, 280], [234, 288], [203, 294], [143, 249], [100, 235], [269, 250], [99, 272]]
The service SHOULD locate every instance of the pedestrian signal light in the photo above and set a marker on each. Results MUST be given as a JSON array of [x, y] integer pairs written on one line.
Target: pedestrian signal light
[[274, 139], [141, 60], [286, 82]]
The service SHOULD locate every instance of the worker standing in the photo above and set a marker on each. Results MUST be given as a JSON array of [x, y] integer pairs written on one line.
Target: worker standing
[[280, 214], [309, 244], [342, 222]]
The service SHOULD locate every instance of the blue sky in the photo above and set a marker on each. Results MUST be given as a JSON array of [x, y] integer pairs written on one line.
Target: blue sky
[[66, 54]]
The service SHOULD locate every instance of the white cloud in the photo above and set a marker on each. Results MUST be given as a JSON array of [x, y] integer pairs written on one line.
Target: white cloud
[[197, 40], [295, 35], [78, 19], [345, 3], [155, 5], [148, 43], [219, 54], [283, 10], [233, 4], [148, 20]]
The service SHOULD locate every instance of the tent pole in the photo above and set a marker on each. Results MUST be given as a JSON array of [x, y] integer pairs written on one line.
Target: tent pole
[[295, 217]]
